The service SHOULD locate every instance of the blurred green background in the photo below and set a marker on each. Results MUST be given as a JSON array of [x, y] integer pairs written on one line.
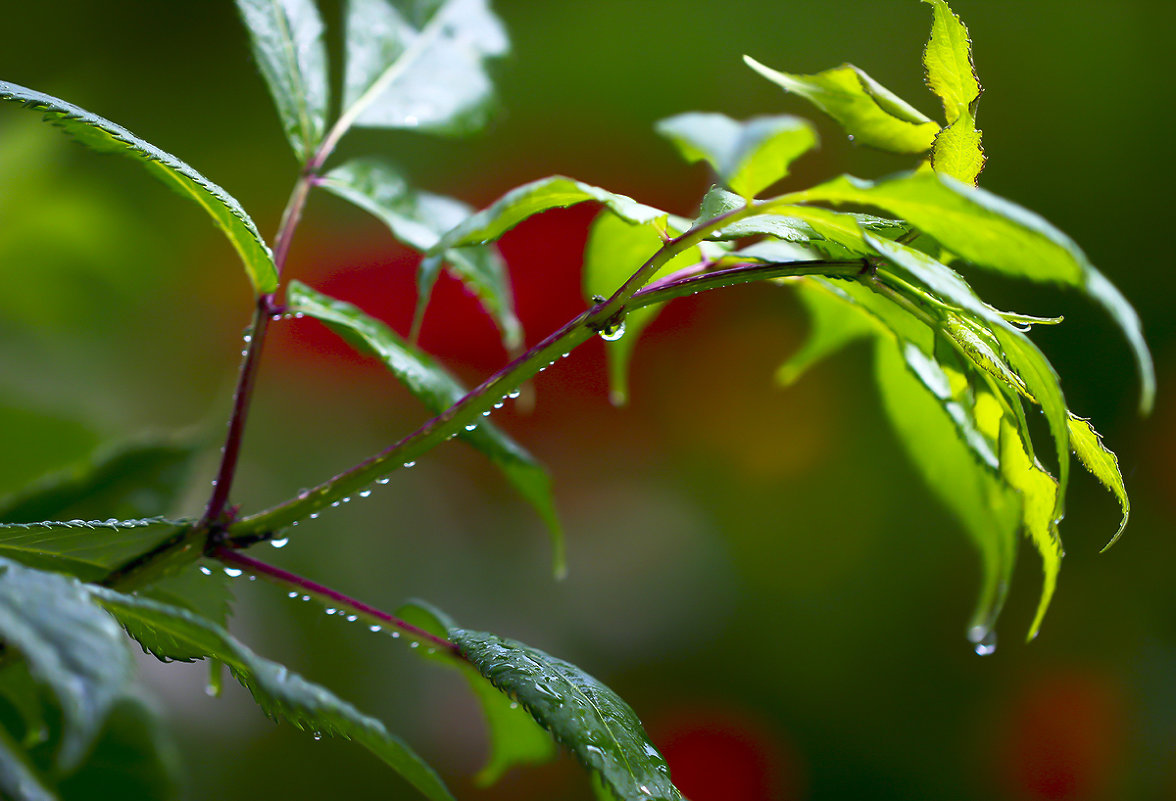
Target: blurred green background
[[758, 572]]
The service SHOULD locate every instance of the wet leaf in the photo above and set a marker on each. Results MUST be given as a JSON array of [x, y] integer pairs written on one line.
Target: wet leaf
[[287, 39], [105, 136], [283, 695], [1102, 464], [747, 156], [420, 65], [868, 111], [585, 716], [430, 383]]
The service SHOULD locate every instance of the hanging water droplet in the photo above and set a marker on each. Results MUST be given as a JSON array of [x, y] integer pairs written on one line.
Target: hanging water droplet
[[410, 464], [335, 504], [385, 479], [985, 645], [851, 137], [206, 571], [486, 413], [513, 394], [211, 691], [414, 645], [365, 493], [330, 610], [613, 332], [291, 594], [314, 515], [499, 405], [233, 572], [306, 597], [347, 499], [352, 618], [318, 735], [373, 628], [247, 338], [281, 542], [396, 635], [471, 426]]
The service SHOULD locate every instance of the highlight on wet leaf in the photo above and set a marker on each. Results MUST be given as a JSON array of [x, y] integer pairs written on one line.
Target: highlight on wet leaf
[[419, 219], [869, 112], [281, 693], [287, 40], [746, 156], [582, 714], [951, 74], [430, 383], [105, 136], [419, 65]]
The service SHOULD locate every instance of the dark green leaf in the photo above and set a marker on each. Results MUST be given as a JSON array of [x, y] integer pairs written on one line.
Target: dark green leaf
[[747, 156], [71, 647], [281, 693], [554, 192], [588, 718], [992, 232], [615, 250], [287, 38], [420, 65], [85, 549], [18, 779], [1102, 464], [419, 219], [437, 390], [868, 111], [106, 137], [515, 737]]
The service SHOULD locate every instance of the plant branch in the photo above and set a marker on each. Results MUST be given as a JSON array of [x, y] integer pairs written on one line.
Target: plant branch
[[304, 586]]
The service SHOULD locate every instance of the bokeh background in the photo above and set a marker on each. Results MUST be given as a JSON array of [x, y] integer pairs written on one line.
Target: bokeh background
[[758, 571]]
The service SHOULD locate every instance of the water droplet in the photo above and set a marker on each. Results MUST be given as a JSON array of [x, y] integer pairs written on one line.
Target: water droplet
[[514, 393], [645, 790], [331, 610], [233, 572], [414, 645], [206, 571], [396, 635], [247, 338], [291, 594], [613, 332], [335, 504], [499, 405], [281, 542], [373, 628], [365, 493], [347, 499], [318, 735], [514, 704], [252, 577], [851, 137], [306, 597], [385, 479], [211, 691], [352, 618], [410, 464], [294, 523], [314, 515], [984, 641], [471, 426], [486, 413]]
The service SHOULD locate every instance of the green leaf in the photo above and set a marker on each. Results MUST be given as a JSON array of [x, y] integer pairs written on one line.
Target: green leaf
[[747, 156], [600, 729], [718, 202], [1039, 492], [287, 39], [430, 383], [947, 59], [420, 65], [419, 219], [614, 251], [1102, 463], [992, 232], [833, 323], [868, 111], [515, 737], [85, 549], [554, 192], [988, 509], [71, 647], [105, 136], [282, 693], [958, 151], [135, 480]]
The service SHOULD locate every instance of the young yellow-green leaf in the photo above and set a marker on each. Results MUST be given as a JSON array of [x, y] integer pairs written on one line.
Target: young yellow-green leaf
[[515, 737], [991, 232], [585, 716], [977, 345], [984, 505], [947, 59], [1039, 492], [71, 647], [719, 201], [419, 65], [614, 251], [287, 39], [1101, 462], [430, 383], [104, 136], [282, 693], [958, 151], [419, 219], [868, 111], [747, 156], [554, 192]]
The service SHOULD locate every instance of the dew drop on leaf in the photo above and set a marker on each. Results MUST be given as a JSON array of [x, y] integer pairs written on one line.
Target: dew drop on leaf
[[281, 542], [205, 570], [233, 572], [365, 493], [373, 629], [409, 464]]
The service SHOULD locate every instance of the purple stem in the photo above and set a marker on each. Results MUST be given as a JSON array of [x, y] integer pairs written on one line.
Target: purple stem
[[306, 586]]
